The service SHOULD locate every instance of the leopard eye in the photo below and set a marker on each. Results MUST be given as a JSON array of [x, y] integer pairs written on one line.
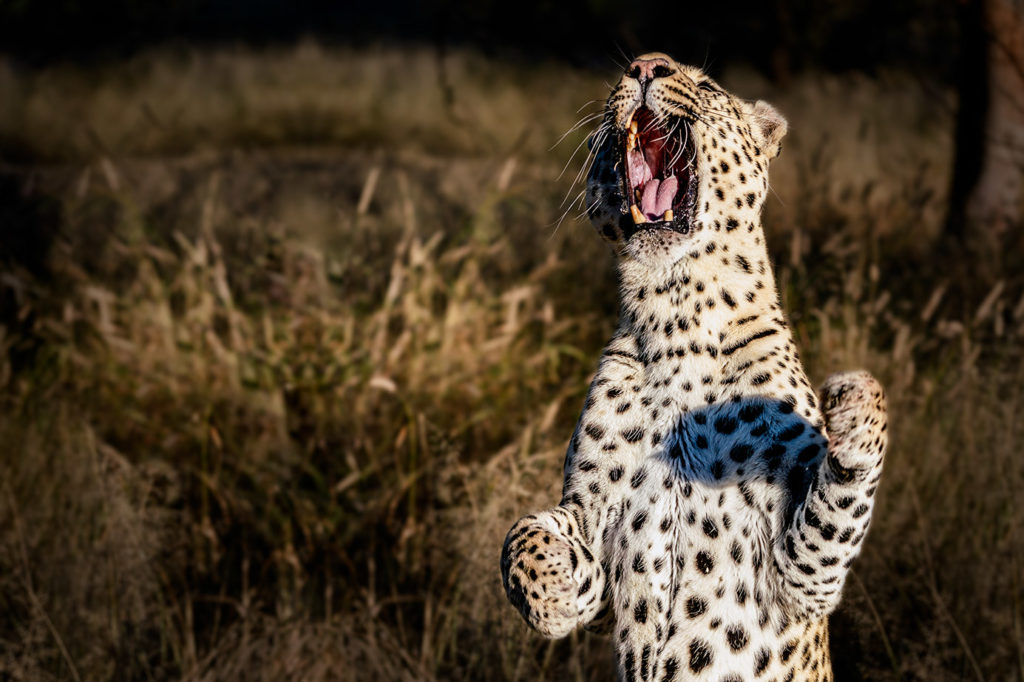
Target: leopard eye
[[662, 71], [706, 85]]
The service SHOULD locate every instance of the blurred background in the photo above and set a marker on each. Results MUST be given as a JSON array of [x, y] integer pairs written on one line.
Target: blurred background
[[297, 313]]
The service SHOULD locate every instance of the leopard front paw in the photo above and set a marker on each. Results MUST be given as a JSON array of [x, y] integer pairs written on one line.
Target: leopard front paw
[[546, 578], [857, 419]]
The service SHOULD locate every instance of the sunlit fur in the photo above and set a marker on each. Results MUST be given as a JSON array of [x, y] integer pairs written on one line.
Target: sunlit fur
[[708, 520]]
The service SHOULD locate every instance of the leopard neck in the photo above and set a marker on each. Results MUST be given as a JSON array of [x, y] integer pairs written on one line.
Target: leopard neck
[[702, 305]]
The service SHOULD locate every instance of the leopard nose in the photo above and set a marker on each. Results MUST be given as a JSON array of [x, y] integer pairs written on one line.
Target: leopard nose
[[646, 70]]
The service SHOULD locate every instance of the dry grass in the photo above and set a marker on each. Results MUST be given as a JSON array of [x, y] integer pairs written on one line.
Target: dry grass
[[270, 406]]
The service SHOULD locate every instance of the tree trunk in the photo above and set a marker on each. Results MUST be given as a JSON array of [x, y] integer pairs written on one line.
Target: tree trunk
[[987, 195]]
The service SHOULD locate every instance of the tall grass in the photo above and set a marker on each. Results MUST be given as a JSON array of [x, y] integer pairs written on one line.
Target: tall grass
[[306, 340]]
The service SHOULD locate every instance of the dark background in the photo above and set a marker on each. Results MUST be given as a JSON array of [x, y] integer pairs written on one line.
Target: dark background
[[778, 37]]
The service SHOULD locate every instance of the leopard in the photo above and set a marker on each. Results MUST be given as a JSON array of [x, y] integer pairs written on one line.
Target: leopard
[[712, 504]]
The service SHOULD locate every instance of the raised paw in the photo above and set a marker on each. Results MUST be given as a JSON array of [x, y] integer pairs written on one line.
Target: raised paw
[[550, 577], [855, 412]]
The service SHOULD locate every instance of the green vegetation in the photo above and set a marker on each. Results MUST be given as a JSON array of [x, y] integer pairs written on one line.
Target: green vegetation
[[289, 339]]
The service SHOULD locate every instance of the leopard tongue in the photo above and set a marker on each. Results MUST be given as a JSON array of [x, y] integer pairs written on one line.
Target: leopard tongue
[[639, 171], [658, 196]]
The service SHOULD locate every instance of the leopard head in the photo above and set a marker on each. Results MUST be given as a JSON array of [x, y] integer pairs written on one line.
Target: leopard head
[[678, 159]]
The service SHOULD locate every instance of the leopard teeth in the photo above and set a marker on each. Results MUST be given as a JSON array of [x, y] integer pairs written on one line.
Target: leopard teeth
[[668, 215], [638, 217]]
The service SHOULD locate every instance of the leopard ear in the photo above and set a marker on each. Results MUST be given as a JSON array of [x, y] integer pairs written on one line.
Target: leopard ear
[[767, 125]]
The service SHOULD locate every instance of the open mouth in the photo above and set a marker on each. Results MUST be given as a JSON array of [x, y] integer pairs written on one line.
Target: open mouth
[[659, 179]]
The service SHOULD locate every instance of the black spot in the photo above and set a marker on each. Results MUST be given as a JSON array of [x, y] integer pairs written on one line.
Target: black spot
[[790, 548], [615, 474], [671, 668], [633, 435], [704, 562], [630, 663], [741, 452], [594, 431], [639, 520], [640, 611], [792, 432], [761, 378], [761, 659], [695, 606], [584, 588], [737, 637], [702, 441], [731, 224], [808, 453], [750, 412], [710, 529], [638, 563], [638, 478], [737, 552], [700, 655], [587, 465], [725, 425]]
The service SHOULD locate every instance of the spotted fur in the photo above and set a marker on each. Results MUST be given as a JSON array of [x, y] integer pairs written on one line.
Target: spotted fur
[[711, 506]]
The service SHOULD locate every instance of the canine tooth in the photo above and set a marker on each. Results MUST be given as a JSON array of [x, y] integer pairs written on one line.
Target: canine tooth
[[638, 217], [631, 141], [668, 215], [632, 125]]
